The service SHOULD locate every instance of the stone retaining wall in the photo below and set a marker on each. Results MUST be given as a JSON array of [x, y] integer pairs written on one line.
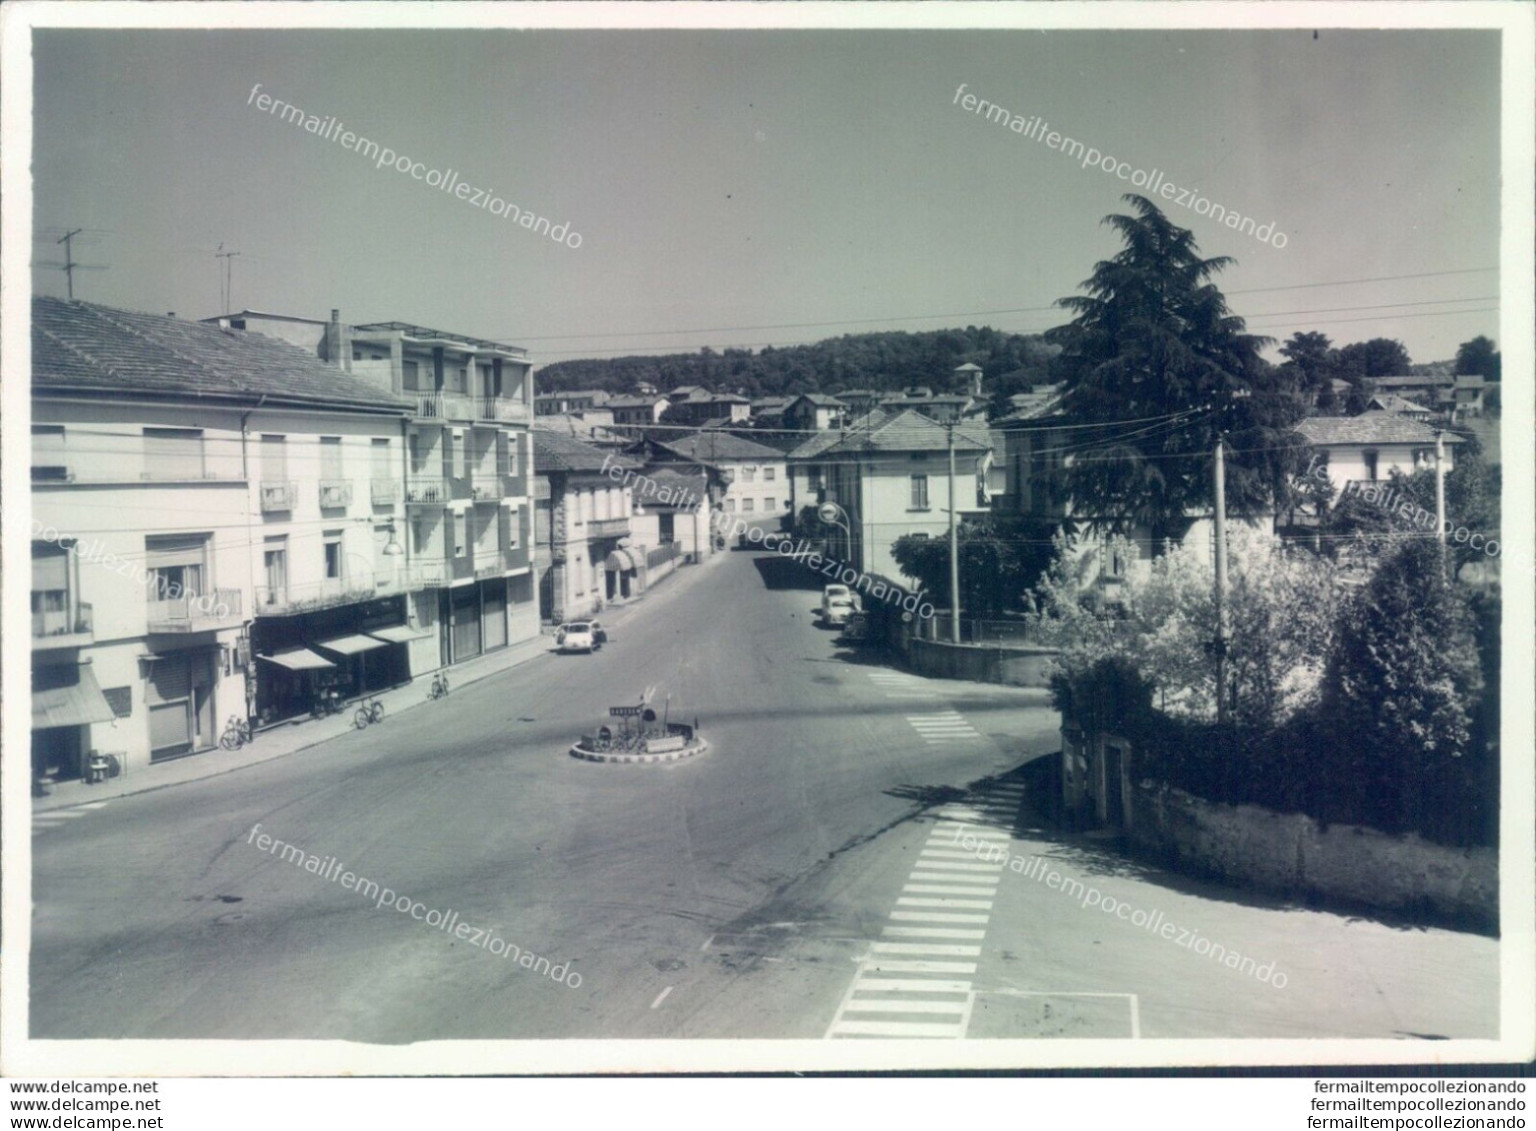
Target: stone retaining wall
[[1017, 665], [1292, 854]]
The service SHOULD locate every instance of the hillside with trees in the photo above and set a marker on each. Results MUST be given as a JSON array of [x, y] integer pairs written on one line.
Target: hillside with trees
[[885, 361]]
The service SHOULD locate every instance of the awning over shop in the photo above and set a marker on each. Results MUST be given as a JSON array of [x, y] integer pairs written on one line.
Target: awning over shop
[[622, 560], [350, 645], [76, 705], [298, 660], [398, 634]]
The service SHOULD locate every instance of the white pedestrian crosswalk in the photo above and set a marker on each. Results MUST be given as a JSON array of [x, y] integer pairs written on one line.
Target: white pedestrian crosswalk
[[53, 818], [916, 980], [944, 727]]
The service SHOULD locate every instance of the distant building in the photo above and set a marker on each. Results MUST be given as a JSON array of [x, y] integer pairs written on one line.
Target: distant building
[[698, 406], [889, 477], [1389, 402], [814, 412], [582, 528], [639, 409], [750, 477], [571, 400], [1369, 447]]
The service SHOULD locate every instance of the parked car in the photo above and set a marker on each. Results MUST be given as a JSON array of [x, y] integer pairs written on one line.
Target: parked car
[[838, 603], [581, 636]]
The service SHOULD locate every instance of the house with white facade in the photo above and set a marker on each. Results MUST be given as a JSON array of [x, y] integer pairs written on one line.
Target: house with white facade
[[751, 478], [586, 553], [188, 481], [890, 478], [1368, 448]]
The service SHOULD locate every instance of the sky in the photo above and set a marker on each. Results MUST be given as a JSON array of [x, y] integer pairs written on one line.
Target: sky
[[767, 187]]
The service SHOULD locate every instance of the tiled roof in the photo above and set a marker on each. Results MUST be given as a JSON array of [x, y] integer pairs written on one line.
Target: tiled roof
[[718, 446], [821, 400], [553, 451], [684, 488], [1470, 381], [1369, 428], [815, 445], [1033, 406], [1427, 382], [901, 400], [81, 345], [1391, 402], [910, 432], [632, 402]]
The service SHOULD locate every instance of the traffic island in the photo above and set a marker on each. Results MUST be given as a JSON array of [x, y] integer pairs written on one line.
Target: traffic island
[[643, 742]]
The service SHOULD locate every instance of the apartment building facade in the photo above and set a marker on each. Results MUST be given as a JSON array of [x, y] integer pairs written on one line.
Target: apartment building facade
[[463, 515], [152, 524]]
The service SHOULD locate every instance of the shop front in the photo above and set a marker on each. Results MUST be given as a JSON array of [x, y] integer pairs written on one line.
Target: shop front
[[342, 652], [474, 619], [179, 699], [66, 701]]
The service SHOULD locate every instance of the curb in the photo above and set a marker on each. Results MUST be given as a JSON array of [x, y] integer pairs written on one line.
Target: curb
[[314, 740], [639, 759]]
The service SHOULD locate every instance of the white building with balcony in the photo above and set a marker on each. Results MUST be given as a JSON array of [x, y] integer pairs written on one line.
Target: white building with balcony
[[188, 480], [464, 511]]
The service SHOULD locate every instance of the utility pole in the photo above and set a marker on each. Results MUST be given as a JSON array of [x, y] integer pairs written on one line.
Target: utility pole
[[1440, 493], [954, 546], [1219, 648]]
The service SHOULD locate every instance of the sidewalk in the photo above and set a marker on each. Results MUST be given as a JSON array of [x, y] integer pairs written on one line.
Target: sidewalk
[[287, 739], [283, 739]]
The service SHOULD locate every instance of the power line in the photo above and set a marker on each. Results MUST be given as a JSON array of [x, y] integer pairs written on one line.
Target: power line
[[967, 313]]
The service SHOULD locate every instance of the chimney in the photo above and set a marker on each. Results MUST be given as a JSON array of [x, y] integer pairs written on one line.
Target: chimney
[[336, 347]]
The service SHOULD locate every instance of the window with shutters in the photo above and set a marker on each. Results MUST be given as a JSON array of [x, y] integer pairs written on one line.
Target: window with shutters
[[173, 453], [50, 589], [50, 463], [274, 459], [176, 566], [334, 557], [330, 457]]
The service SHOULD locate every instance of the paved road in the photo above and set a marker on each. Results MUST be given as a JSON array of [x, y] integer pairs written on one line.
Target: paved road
[[741, 894]]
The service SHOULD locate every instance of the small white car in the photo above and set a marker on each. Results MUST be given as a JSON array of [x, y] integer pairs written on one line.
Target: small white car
[[580, 636], [838, 602], [835, 611]]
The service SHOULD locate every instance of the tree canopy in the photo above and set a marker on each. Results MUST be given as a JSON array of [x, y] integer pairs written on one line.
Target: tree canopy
[[887, 362], [1152, 337]]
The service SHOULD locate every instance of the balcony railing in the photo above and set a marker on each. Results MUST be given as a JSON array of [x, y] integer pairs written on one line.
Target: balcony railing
[[278, 497], [335, 493], [501, 409], [607, 527], [486, 486], [425, 575], [490, 563], [384, 491], [198, 613], [445, 406], [64, 628], [432, 491], [289, 599]]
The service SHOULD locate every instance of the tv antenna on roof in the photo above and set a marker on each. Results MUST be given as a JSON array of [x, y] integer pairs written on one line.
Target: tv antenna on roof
[[69, 266], [227, 291]]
